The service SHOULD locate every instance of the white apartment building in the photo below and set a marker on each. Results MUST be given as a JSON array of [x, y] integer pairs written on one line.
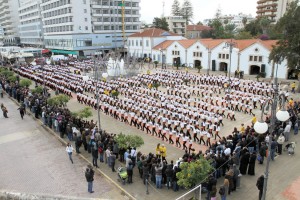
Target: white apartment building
[[237, 20], [31, 26], [177, 24], [272, 9], [9, 20], [83, 27]]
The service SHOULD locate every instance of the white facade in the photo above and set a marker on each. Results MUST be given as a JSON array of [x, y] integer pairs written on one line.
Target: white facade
[[177, 24], [31, 26], [88, 25], [256, 56], [9, 20], [142, 47], [249, 56]]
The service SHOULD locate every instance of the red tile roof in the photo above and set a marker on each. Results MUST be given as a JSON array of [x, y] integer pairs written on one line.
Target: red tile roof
[[212, 43], [269, 44], [164, 45], [197, 28], [187, 43], [243, 44], [153, 32]]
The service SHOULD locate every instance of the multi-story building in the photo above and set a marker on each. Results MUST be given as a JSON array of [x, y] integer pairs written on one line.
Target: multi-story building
[[9, 20], [272, 9], [177, 24], [238, 20], [31, 26], [194, 31], [84, 26]]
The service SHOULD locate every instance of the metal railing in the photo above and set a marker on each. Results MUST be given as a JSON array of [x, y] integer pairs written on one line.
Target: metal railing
[[192, 194]]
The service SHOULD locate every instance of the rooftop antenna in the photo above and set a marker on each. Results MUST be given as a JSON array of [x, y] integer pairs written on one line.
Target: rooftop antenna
[[163, 13]]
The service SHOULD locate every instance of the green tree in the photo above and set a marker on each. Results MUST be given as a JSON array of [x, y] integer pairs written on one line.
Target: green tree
[[244, 21], [126, 141], [161, 23], [193, 173], [6, 73], [199, 67], [254, 28], [12, 78], [25, 82], [37, 90], [59, 100], [187, 11], [226, 21], [134, 140], [86, 112], [243, 35], [206, 34], [289, 47], [199, 23], [62, 99], [217, 29], [176, 8], [229, 31], [264, 23]]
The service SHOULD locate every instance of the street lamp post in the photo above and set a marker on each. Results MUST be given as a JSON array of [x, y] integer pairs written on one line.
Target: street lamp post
[[209, 59], [162, 59], [96, 77], [262, 127], [230, 45]]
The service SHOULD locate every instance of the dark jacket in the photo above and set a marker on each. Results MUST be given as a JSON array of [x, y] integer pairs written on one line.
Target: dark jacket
[[89, 175]]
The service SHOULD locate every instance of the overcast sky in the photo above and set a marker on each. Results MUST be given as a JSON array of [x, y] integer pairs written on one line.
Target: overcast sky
[[203, 9]]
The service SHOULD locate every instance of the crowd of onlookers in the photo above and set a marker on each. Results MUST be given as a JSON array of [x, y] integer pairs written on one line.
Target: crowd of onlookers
[[231, 156]]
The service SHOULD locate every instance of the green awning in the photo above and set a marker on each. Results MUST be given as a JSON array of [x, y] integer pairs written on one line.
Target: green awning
[[64, 52]]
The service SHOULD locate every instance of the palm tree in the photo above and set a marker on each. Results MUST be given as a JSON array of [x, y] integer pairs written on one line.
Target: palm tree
[[264, 23], [244, 21]]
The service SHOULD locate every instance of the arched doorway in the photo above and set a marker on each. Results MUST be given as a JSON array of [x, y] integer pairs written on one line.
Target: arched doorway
[[223, 66], [197, 63], [254, 70]]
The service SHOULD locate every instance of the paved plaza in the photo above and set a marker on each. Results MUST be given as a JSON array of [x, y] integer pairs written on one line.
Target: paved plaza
[[32, 156], [35, 162]]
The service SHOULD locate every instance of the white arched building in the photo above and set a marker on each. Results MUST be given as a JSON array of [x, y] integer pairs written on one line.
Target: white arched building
[[250, 56]]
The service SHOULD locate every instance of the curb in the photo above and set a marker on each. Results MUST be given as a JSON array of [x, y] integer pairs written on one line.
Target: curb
[[127, 195]]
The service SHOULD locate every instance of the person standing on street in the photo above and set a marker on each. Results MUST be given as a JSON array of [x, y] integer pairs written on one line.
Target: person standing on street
[[260, 185], [113, 158], [70, 150], [4, 110], [22, 111], [89, 175]]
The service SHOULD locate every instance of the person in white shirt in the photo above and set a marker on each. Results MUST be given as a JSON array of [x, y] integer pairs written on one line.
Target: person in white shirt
[[69, 150]]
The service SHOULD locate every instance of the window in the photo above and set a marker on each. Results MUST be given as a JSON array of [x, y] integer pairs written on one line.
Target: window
[[220, 56], [255, 58], [84, 1], [86, 28], [85, 11], [175, 53], [197, 54], [141, 43], [227, 56], [147, 43], [250, 58], [223, 56], [85, 19], [260, 58]]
